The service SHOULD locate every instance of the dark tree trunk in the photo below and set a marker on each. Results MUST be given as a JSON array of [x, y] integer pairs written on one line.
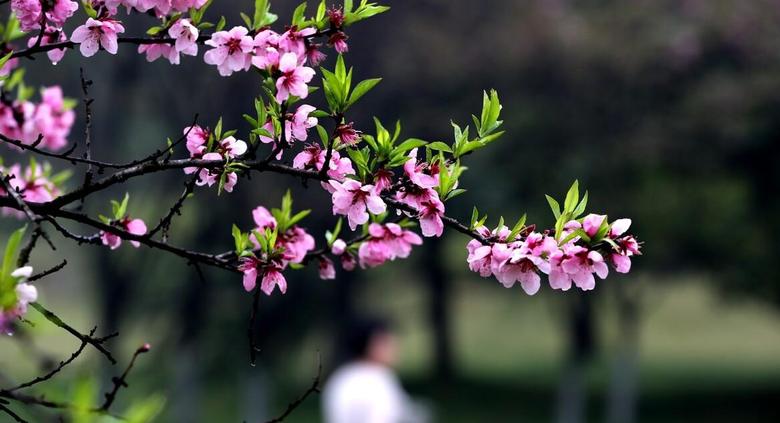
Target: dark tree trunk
[[622, 399], [439, 292], [572, 392]]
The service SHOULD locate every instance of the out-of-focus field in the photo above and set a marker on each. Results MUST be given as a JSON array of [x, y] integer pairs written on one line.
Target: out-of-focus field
[[696, 350], [701, 358]]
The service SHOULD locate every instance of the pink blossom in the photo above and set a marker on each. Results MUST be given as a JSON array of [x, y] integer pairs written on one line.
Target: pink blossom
[[627, 246], [351, 199], [347, 134], [28, 12], [186, 36], [133, 226], [383, 179], [580, 264], [231, 147], [326, 268], [339, 247], [60, 12], [313, 55], [197, 138], [339, 42], [416, 172], [33, 184], [294, 78], [336, 17], [348, 262], [263, 218], [266, 50], [296, 242], [592, 222], [291, 41], [619, 227], [273, 277], [431, 223], [51, 119], [251, 267], [386, 242], [313, 157], [297, 127], [231, 52], [95, 34], [51, 36], [211, 176], [155, 51]]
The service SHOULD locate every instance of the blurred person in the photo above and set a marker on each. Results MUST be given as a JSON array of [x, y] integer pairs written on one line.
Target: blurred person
[[366, 389]]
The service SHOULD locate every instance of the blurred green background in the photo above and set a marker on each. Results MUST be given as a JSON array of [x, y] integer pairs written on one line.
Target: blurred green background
[[667, 110]]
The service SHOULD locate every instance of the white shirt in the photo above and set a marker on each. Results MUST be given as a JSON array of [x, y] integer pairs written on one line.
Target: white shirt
[[364, 392]]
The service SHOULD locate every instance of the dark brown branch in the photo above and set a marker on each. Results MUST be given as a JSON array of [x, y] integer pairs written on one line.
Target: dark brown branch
[[253, 348], [96, 343], [313, 388], [121, 381], [165, 222], [57, 369], [17, 197], [85, 83], [48, 272], [10, 412]]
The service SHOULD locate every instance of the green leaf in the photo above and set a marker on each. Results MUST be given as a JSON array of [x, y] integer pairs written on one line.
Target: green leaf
[[298, 217], [518, 227], [220, 24], [554, 206], [439, 146], [409, 144], [146, 410], [361, 89], [298, 17], [10, 257], [581, 207], [238, 239], [572, 197], [120, 212]]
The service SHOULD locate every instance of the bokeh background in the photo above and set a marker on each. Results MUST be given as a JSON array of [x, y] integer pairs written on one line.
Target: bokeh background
[[667, 110]]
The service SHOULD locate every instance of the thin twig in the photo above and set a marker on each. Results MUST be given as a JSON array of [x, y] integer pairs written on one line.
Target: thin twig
[[313, 388], [57, 369], [121, 381], [96, 343]]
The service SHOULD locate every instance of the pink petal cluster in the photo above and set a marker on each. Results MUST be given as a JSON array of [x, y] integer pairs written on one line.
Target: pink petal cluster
[[297, 126], [386, 242], [231, 50], [291, 247], [186, 36], [30, 13], [355, 200], [51, 36], [157, 7], [133, 226], [313, 158], [228, 148], [340, 250], [522, 258], [293, 79], [418, 193], [26, 121], [25, 294], [627, 246], [33, 184], [97, 33]]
